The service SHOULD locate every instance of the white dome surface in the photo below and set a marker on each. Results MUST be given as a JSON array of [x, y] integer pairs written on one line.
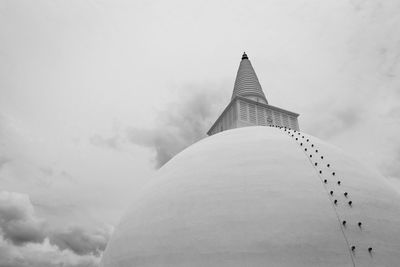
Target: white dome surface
[[254, 197]]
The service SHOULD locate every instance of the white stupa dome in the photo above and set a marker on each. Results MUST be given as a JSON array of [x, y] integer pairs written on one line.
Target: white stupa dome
[[256, 196]]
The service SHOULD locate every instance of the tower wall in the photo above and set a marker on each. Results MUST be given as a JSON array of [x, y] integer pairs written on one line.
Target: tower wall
[[251, 114], [243, 112], [228, 120]]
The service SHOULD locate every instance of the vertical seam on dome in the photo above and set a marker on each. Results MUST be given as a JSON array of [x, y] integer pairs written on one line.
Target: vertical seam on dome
[[350, 248]]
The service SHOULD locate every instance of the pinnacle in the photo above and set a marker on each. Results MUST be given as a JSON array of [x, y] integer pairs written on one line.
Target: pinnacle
[[246, 83]]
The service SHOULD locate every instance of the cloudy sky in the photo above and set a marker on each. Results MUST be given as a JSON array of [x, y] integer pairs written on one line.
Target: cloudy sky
[[95, 95]]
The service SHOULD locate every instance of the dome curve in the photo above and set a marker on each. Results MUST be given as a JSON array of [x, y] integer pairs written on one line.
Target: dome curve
[[252, 197]]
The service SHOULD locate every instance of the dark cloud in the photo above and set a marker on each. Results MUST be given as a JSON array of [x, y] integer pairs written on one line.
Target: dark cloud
[[17, 221], [181, 123], [26, 240], [81, 241], [20, 232], [42, 255]]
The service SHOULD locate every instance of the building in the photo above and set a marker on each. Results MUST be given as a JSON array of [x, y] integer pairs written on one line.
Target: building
[[260, 196], [249, 106]]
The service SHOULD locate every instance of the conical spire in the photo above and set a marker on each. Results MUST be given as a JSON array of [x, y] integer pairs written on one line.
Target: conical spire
[[249, 106], [246, 83]]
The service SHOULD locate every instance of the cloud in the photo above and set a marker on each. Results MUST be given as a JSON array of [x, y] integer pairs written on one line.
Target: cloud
[[26, 240], [17, 221], [348, 117], [336, 120], [80, 241], [47, 171], [3, 161], [113, 141], [106, 142], [181, 123], [42, 255]]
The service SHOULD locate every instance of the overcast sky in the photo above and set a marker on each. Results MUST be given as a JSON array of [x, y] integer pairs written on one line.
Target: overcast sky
[[96, 95]]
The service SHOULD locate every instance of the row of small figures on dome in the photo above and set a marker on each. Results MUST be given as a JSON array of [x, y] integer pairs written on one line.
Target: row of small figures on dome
[[325, 181]]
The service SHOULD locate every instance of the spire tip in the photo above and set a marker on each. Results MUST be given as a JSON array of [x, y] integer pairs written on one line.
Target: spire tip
[[244, 56]]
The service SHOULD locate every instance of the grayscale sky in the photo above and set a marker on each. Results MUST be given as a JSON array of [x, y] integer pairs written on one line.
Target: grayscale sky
[[96, 95]]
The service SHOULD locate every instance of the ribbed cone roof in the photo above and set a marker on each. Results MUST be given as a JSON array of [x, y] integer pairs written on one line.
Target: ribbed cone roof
[[246, 83]]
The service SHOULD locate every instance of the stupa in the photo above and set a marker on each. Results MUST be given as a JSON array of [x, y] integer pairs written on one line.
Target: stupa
[[260, 196]]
